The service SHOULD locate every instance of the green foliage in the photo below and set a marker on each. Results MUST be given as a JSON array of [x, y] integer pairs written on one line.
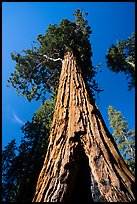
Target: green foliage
[[121, 58], [8, 173], [20, 169], [124, 137], [34, 75]]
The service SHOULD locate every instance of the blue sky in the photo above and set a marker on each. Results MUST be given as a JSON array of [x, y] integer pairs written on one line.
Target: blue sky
[[22, 22]]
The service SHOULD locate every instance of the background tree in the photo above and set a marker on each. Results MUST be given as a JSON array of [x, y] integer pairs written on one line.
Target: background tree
[[9, 184], [121, 58], [20, 169], [124, 137]]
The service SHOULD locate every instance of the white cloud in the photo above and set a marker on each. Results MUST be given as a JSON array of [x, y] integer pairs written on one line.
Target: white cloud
[[17, 119], [9, 114]]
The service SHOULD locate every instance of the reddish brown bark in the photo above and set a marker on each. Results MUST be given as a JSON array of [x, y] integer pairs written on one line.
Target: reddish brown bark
[[82, 161]]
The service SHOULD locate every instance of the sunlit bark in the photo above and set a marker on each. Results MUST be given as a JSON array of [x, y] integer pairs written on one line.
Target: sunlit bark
[[82, 161]]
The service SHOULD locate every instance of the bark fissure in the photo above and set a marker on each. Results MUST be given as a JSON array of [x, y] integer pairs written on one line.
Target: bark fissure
[[82, 161]]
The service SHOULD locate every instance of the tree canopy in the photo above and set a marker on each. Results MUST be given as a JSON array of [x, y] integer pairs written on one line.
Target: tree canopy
[[121, 58], [38, 69]]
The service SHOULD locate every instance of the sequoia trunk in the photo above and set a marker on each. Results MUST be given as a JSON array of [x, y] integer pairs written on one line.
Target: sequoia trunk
[[82, 161]]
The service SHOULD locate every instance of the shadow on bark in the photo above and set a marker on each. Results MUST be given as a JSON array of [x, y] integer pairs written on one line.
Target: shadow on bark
[[85, 188]]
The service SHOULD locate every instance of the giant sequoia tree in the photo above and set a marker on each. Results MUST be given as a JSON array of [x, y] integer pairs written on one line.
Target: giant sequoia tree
[[82, 162]]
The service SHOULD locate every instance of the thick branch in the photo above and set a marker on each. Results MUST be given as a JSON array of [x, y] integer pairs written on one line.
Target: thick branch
[[131, 64], [49, 58]]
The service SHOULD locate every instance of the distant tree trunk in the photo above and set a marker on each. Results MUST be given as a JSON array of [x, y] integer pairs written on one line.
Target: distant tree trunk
[[82, 161]]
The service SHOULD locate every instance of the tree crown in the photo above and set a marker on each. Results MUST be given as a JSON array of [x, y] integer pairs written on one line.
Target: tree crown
[[37, 73], [121, 58]]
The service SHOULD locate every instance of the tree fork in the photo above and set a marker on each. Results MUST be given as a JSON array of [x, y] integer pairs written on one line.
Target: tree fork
[[82, 161]]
